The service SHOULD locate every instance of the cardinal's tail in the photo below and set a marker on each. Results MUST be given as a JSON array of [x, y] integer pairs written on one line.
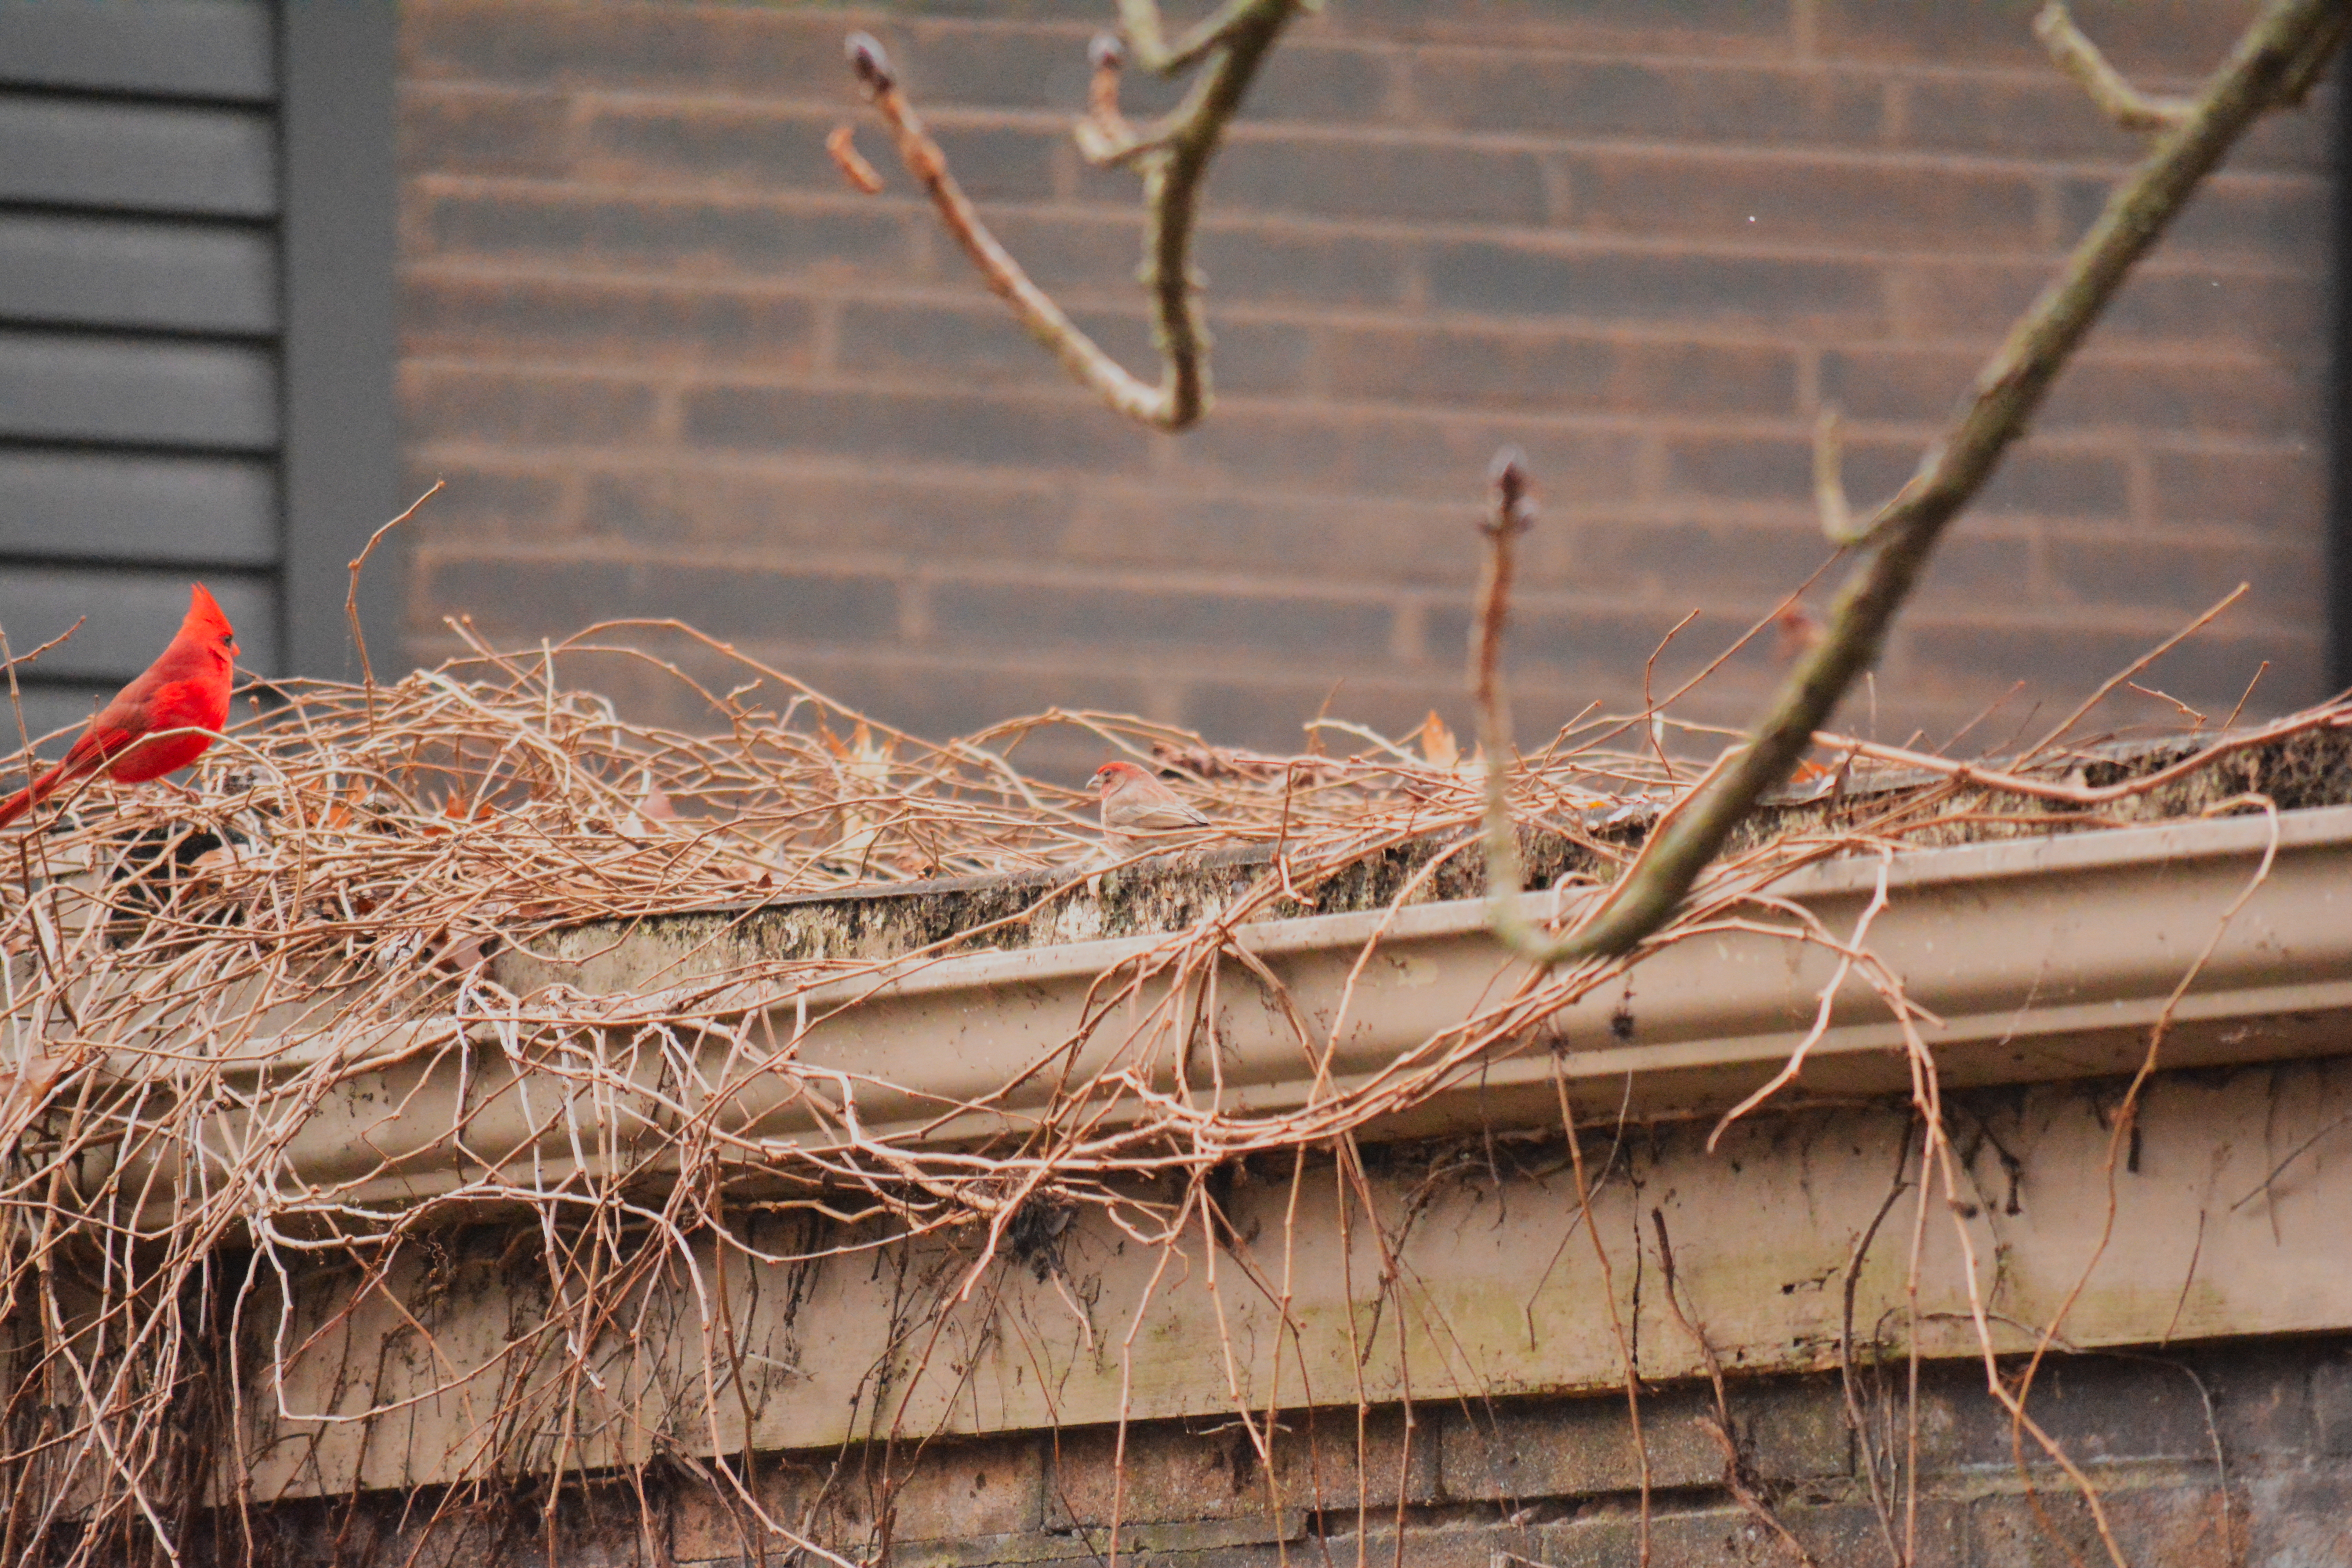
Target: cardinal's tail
[[24, 799]]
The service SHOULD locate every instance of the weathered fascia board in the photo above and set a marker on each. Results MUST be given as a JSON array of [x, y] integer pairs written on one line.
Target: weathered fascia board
[[2228, 1218], [2042, 959]]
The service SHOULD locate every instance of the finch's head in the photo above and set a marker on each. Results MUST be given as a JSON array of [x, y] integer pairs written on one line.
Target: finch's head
[[207, 624], [1115, 775]]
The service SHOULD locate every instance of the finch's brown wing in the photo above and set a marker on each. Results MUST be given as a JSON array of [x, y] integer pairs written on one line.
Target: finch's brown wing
[[1158, 816]]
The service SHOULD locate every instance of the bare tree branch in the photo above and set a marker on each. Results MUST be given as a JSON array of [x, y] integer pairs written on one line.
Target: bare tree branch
[[2275, 53], [1829, 479], [1172, 155], [2116, 98], [2135, 110], [2316, 56], [1141, 19]]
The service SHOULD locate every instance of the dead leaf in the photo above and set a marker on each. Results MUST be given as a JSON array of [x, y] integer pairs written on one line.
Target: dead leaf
[[22, 1091], [457, 954], [213, 865], [453, 810], [344, 808]]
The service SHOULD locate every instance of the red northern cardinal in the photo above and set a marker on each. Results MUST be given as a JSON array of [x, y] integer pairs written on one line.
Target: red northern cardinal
[[1133, 802], [184, 691]]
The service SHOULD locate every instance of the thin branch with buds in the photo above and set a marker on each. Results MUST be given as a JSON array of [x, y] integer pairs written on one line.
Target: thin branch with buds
[[2132, 110], [1172, 155], [2115, 97]]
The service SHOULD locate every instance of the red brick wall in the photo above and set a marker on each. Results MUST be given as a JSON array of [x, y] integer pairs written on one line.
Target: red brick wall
[[669, 364], [1497, 1482]]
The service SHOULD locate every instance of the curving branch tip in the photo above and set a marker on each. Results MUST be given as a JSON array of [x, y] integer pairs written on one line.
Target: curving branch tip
[[1173, 153], [2072, 52], [1829, 479], [868, 59], [1515, 508]]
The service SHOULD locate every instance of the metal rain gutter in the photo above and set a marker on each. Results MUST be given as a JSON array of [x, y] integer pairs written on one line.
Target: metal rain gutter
[[2039, 958]]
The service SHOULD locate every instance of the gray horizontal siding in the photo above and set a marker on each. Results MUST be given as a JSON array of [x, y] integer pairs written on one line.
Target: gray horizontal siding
[[123, 507], [138, 273], [143, 317], [48, 708], [144, 157], [180, 48], [218, 395], [139, 316], [130, 615]]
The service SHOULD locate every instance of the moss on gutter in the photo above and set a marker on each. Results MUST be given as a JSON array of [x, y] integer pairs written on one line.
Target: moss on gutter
[[1039, 909]]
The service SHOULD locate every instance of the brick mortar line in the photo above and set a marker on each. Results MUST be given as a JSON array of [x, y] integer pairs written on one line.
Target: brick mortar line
[[2100, 530], [1666, 423], [1047, 390], [1760, 516], [494, 267], [1224, 590], [2180, 444], [1894, 157], [1823, 68], [2036, 69], [1079, 661], [454, 268], [788, 108], [1076, 661], [1356, 132], [981, 573], [974, 299], [2121, 620], [1760, 521], [1763, 514], [525, 348], [1738, 519], [2060, 613], [794, 464], [1043, 395], [1039, 380], [1558, 242], [1896, 153]]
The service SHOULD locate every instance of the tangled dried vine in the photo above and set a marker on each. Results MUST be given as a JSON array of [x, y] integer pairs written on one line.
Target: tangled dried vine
[[226, 1012]]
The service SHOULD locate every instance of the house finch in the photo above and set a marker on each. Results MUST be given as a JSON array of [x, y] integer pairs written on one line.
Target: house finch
[[184, 691], [1134, 802]]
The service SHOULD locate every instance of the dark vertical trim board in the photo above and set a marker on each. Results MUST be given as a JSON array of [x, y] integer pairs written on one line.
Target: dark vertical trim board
[[338, 59], [2339, 411]]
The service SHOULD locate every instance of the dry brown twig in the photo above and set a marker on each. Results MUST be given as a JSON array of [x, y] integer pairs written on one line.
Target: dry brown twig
[[1172, 155], [2115, 96], [469, 807], [388, 841], [1739, 1479], [351, 597]]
